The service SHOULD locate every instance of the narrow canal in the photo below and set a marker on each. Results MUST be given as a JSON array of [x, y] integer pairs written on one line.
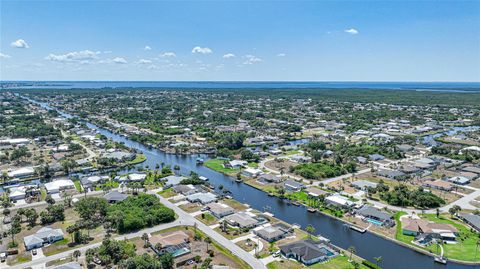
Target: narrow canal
[[367, 245]]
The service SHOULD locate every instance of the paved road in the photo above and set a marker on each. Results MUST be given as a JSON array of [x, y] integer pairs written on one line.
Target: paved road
[[184, 219], [236, 250]]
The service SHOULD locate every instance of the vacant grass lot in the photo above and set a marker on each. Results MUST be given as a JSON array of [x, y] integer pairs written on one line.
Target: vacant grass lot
[[217, 165]]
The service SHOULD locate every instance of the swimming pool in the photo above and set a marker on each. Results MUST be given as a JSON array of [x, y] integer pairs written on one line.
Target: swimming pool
[[374, 221], [180, 252], [327, 252]]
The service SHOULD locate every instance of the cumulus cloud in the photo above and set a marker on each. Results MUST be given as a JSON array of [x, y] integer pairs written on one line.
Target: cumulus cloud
[[168, 54], [144, 61], [228, 56], [119, 60], [147, 48], [84, 55], [20, 44], [251, 59], [351, 31], [4, 56], [201, 50], [281, 55]]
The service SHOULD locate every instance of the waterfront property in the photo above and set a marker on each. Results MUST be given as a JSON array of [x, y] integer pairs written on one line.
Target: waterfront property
[[472, 220], [307, 252], [293, 186], [375, 216], [202, 197], [426, 232], [274, 232], [220, 210]]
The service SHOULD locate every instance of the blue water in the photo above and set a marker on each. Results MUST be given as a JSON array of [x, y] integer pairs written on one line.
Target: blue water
[[418, 86]]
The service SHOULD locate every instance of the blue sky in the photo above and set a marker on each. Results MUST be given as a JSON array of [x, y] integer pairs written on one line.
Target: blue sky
[[240, 40]]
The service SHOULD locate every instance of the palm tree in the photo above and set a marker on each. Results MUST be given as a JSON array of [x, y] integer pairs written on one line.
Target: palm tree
[[76, 254], [310, 230], [145, 239], [352, 250], [477, 244], [207, 240]]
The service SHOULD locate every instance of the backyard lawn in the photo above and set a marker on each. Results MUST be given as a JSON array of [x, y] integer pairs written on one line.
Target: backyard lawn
[[217, 165], [339, 262]]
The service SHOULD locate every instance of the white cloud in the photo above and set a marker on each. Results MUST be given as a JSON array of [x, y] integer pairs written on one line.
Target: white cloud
[[4, 56], [84, 55], [20, 44], [352, 31], [228, 56], [168, 54], [119, 60], [201, 50], [251, 59], [281, 55], [152, 67], [144, 61], [147, 48]]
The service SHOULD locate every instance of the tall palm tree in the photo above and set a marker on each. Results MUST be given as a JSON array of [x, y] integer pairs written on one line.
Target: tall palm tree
[[352, 250]]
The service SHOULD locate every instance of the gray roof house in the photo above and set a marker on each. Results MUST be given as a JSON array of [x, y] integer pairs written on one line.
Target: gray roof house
[[291, 185], [45, 235], [307, 251], [115, 196], [242, 220], [202, 197], [376, 157], [472, 220], [370, 212], [393, 174], [220, 210], [274, 232], [269, 178], [173, 180], [363, 184]]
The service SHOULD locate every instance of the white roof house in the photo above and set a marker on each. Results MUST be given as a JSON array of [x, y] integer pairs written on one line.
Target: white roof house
[[21, 172], [251, 172], [338, 200], [43, 236], [202, 197], [137, 177], [58, 185], [173, 180], [17, 194], [15, 141], [459, 180]]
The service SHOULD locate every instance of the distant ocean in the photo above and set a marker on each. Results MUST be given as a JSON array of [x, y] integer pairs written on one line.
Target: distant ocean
[[418, 86]]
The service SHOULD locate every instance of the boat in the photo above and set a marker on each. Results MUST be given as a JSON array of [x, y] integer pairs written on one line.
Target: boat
[[440, 259], [358, 229], [295, 203], [199, 160], [239, 180], [270, 194], [203, 178], [311, 210]]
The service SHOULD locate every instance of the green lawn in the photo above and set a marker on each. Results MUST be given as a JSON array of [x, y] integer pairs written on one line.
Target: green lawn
[[217, 165], [140, 158], [78, 185], [339, 262], [465, 248], [168, 193], [253, 165], [207, 218]]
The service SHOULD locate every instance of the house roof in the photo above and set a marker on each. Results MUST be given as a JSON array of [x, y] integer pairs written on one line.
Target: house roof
[[293, 184], [242, 218], [270, 232], [306, 249], [115, 196], [473, 219], [72, 265], [57, 184], [219, 208], [364, 184], [424, 226], [369, 211], [202, 197]]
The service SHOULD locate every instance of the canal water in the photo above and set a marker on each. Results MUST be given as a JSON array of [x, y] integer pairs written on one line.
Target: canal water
[[367, 245]]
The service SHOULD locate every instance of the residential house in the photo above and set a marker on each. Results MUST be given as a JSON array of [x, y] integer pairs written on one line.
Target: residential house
[[269, 178], [426, 231], [235, 164], [251, 172], [45, 235], [375, 216], [22, 172], [172, 180], [202, 197], [376, 157], [392, 174], [472, 220], [459, 180], [242, 220], [363, 184], [70, 265], [316, 192], [307, 252], [115, 197], [294, 186], [274, 232], [338, 200], [59, 185], [184, 189], [175, 243], [220, 210]]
